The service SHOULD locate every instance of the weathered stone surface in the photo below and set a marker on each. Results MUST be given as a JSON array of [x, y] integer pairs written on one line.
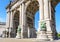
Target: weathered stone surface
[[23, 40], [19, 10]]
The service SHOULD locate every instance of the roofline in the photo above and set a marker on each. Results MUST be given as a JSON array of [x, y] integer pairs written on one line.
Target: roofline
[[12, 3]]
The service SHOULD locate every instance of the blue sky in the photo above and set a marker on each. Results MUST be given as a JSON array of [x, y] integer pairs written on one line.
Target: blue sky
[[57, 16], [4, 3]]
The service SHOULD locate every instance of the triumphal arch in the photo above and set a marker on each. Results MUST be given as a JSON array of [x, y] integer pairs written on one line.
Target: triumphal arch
[[20, 19]]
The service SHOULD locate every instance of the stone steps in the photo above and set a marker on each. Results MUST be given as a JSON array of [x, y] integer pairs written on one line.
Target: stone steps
[[23, 40], [16, 40]]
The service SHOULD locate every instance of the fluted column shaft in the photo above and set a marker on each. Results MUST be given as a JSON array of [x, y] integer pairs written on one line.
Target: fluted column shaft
[[46, 9], [41, 12], [28, 32], [47, 13], [11, 23], [23, 20], [7, 22], [11, 20]]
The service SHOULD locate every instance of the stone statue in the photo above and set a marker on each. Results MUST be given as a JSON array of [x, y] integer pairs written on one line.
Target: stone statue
[[19, 29], [18, 32], [43, 25]]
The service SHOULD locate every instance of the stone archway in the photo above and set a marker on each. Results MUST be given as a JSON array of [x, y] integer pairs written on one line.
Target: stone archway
[[32, 8], [55, 19], [27, 12], [15, 22]]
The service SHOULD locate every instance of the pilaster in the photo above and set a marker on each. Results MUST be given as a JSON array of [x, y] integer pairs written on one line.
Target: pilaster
[[41, 34], [23, 21], [20, 20], [47, 18], [8, 22], [28, 32], [11, 20], [20, 35], [41, 12], [11, 23]]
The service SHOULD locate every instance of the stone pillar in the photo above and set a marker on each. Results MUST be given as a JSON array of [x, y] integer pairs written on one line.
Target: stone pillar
[[28, 32], [47, 13], [41, 34], [23, 22], [8, 21], [20, 20], [46, 10], [41, 12], [11, 23], [19, 35], [11, 20], [50, 9]]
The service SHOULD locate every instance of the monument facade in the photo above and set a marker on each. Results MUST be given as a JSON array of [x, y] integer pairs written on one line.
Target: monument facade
[[20, 14]]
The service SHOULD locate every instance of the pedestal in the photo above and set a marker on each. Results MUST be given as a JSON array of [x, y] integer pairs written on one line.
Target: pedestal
[[42, 36], [18, 35], [50, 35]]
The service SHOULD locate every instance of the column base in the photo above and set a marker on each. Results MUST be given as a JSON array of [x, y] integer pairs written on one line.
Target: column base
[[42, 36], [50, 35], [18, 36]]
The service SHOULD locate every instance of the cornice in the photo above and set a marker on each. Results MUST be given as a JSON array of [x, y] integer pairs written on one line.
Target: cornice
[[12, 3]]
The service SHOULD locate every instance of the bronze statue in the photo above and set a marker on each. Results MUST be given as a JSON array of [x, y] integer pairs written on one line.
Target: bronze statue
[[43, 25]]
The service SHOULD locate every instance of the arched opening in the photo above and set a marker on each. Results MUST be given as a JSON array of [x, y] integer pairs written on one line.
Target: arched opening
[[36, 20], [15, 22], [32, 8], [57, 15]]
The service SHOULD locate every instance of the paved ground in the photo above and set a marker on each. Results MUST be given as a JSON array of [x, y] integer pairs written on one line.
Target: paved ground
[[23, 40]]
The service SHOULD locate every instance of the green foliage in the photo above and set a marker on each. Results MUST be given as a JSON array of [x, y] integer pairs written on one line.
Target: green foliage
[[58, 35]]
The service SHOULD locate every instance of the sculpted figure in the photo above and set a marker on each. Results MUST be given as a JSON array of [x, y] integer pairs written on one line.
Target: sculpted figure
[[43, 25]]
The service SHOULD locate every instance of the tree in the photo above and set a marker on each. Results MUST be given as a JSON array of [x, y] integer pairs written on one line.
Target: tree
[[58, 35]]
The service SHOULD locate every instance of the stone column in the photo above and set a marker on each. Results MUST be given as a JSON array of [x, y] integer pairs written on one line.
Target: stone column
[[46, 10], [11, 23], [41, 12], [19, 35], [20, 20], [42, 32], [23, 22], [7, 22], [28, 32], [47, 13], [11, 20], [50, 9]]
